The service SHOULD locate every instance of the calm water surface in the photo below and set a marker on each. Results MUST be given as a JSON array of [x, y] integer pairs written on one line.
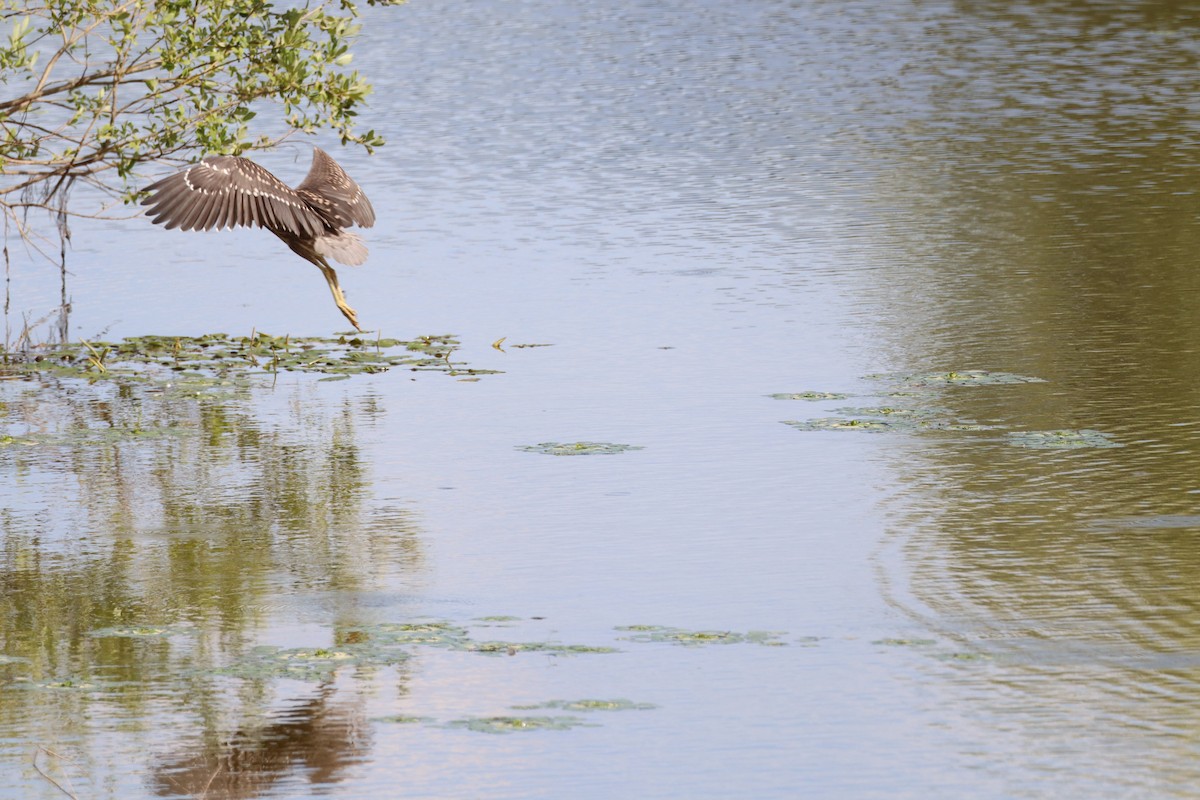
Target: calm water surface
[[308, 588]]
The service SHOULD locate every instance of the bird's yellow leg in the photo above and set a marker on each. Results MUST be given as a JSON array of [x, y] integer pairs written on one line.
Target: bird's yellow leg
[[338, 296]]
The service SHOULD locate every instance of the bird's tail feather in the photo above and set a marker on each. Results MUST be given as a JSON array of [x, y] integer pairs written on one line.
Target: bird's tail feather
[[342, 247]]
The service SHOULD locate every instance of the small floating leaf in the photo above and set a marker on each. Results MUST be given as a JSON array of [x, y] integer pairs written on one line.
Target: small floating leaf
[[886, 411], [842, 424], [967, 377], [659, 633], [139, 632], [512, 648], [960, 656], [590, 705], [171, 359], [1061, 440], [808, 396], [578, 448], [302, 663], [514, 724]]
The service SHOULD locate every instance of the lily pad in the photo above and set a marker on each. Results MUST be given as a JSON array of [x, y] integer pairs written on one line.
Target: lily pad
[[847, 424], [578, 448], [1062, 440], [389, 635], [808, 396], [515, 724], [219, 359], [140, 631], [898, 642], [512, 648], [967, 377], [590, 705], [887, 412], [680, 636], [63, 685], [307, 664], [962, 656]]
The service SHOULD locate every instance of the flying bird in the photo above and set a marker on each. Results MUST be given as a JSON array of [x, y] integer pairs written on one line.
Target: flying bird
[[227, 191]]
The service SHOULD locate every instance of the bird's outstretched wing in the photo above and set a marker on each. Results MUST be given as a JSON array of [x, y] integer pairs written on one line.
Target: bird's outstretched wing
[[334, 194], [226, 191]]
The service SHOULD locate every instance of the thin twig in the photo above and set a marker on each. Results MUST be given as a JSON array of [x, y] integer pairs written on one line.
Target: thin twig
[[42, 749]]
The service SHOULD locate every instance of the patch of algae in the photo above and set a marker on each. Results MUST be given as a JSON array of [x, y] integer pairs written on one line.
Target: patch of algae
[[218, 359]]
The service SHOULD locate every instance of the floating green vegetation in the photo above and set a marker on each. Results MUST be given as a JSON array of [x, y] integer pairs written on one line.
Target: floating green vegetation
[[20, 441], [514, 724], [589, 705], [382, 645], [896, 412], [140, 631], [962, 656], [660, 633], [897, 642], [217, 359], [578, 448], [808, 396], [844, 424], [401, 719], [512, 648], [61, 685], [1061, 440], [967, 377], [95, 436], [498, 618], [306, 664], [389, 635], [911, 414]]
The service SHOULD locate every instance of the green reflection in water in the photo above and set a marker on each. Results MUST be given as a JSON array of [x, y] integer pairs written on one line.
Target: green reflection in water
[[147, 537], [1053, 233]]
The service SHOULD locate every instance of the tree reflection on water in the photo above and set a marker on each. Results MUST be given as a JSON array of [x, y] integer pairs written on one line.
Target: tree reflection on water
[[148, 540]]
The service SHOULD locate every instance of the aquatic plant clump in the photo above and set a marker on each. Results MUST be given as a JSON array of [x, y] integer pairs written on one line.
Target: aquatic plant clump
[[142, 632], [848, 424], [512, 648], [305, 664], [220, 359], [686, 638], [515, 724], [911, 415], [589, 705], [578, 448], [808, 396], [1061, 440], [966, 377]]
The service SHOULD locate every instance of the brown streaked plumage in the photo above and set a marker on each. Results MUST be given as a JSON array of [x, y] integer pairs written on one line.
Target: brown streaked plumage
[[227, 191]]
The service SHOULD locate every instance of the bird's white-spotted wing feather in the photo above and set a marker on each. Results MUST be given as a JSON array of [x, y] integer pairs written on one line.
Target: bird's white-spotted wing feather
[[334, 194], [227, 191]]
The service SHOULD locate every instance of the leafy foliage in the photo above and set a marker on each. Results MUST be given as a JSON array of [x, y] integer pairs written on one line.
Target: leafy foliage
[[98, 87]]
